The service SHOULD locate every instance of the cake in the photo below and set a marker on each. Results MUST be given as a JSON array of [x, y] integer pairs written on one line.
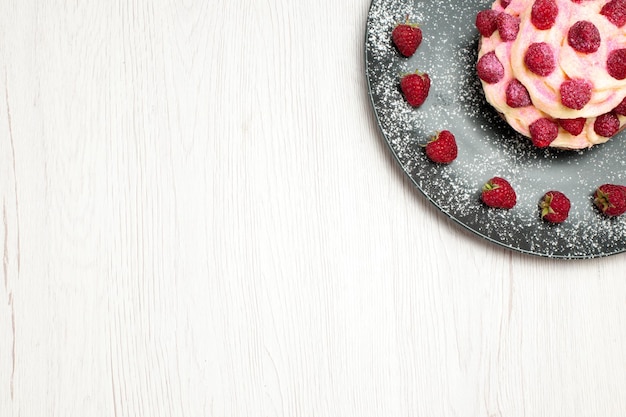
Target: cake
[[556, 69]]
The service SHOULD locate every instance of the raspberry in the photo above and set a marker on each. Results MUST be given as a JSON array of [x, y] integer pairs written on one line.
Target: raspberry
[[610, 199], [575, 93], [489, 68], [543, 14], [539, 59], [517, 95], [508, 26], [616, 64], [543, 131], [498, 193], [505, 3], [606, 125], [584, 37], [415, 87], [573, 126], [486, 22], [621, 108], [442, 147], [407, 37], [615, 11], [555, 207]]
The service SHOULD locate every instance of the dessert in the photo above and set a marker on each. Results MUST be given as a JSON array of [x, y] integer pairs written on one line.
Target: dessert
[[556, 69]]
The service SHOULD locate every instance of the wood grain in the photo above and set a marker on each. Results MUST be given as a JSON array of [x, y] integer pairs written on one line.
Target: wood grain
[[200, 218]]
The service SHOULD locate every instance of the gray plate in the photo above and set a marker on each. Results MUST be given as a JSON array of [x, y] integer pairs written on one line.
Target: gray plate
[[487, 145]]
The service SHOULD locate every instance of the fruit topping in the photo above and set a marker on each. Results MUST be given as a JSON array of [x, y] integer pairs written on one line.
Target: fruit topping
[[487, 22], [517, 95], [606, 125], [575, 93], [543, 132], [543, 14], [615, 11], [616, 64], [573, 126], [508, 26], [621, 108], [489, 68], [539, 59], [584, 37]]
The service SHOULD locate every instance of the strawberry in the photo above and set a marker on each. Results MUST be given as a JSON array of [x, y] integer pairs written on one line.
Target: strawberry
[[407, 37], [498, 193], [611, 199], [442, 148], [554, 207], [415, 88]]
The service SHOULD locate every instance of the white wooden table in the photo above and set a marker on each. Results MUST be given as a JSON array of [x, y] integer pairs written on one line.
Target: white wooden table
[[201, 218]]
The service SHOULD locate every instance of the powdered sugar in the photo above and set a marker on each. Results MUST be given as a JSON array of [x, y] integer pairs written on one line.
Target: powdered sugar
[[487, 145]]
